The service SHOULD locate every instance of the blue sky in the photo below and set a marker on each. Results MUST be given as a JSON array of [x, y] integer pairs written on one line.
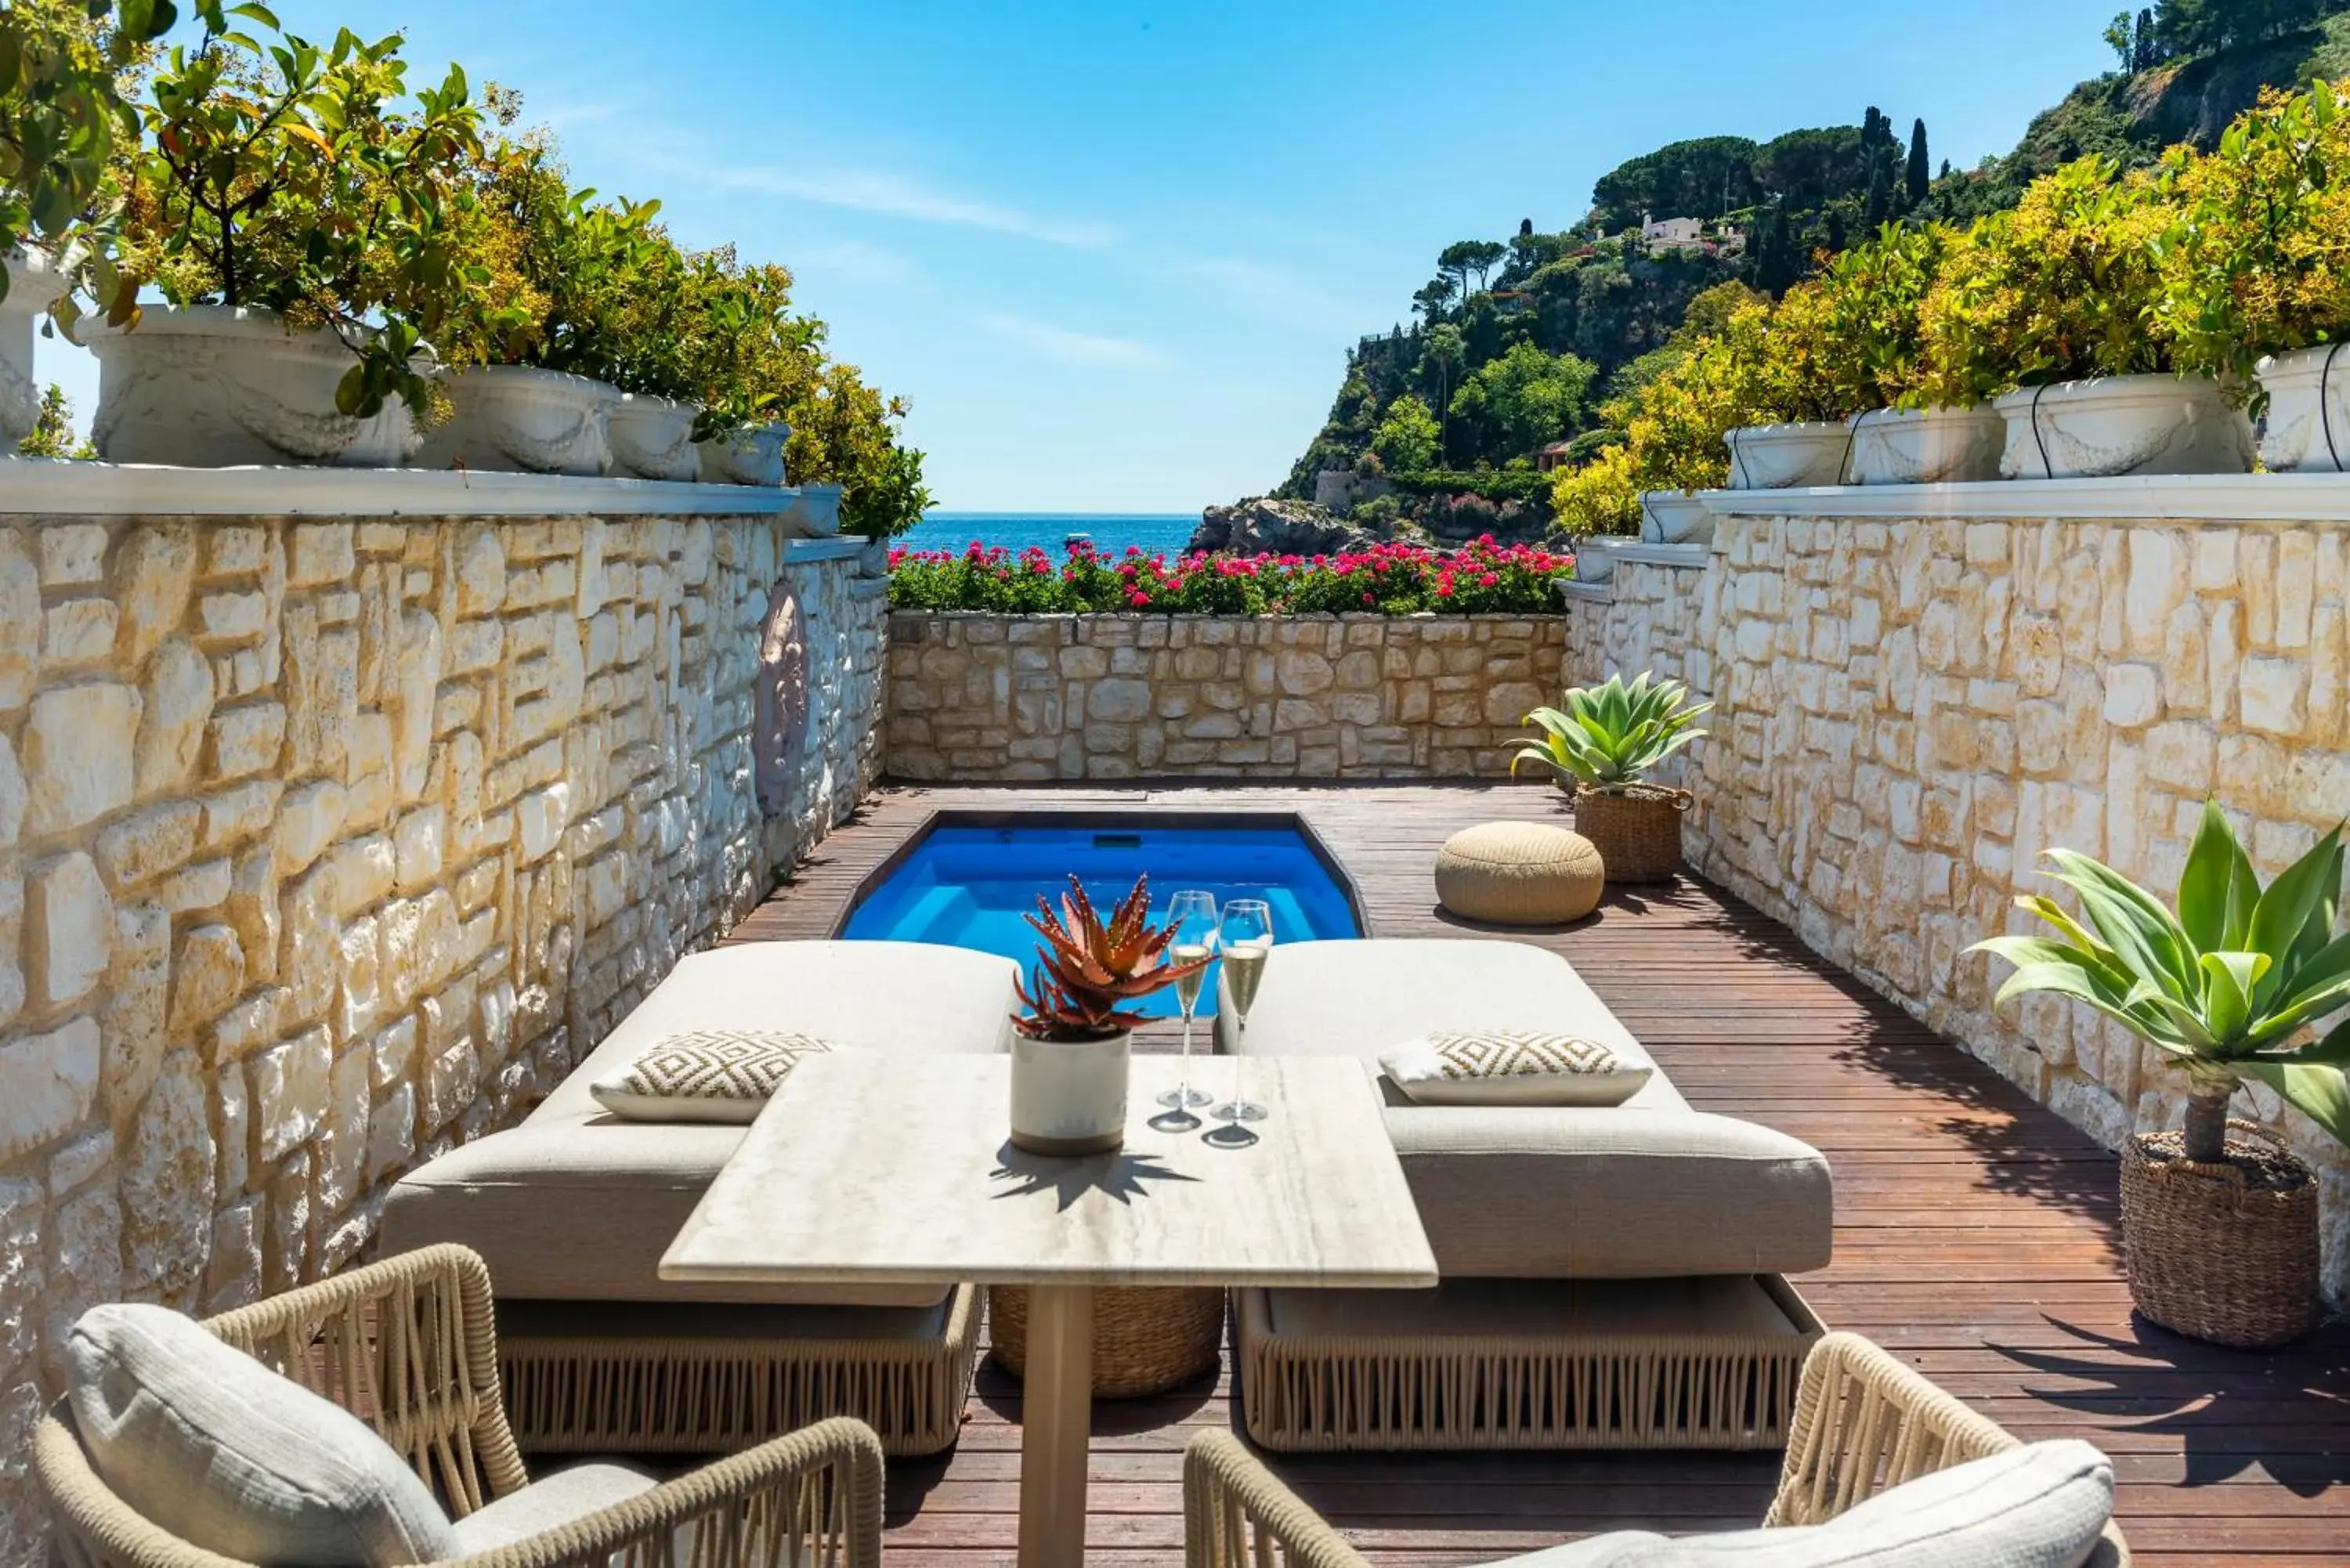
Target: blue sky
[[1115, 252]]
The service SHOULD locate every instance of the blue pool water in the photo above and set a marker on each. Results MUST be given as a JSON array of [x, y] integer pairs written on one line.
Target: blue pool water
[[968, 887]]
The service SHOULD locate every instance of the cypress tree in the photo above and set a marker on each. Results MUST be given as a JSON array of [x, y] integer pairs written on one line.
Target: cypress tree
[[2144, 51], [1880, 195], [1921, 174]]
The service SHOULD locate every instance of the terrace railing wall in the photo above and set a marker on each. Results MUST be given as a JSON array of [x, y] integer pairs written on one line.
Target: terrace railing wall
[[337, 810]]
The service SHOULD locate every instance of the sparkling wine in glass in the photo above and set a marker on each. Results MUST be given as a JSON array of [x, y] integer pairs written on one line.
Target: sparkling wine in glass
[[1192, 914], [1244, 941]]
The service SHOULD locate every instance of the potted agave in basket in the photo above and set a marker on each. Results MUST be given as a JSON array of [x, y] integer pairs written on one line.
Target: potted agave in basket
[[1070, 1055], [1603, 745], [2220, 1218]]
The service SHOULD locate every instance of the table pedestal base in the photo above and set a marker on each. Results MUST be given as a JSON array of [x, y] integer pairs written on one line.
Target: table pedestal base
[[1056, 1425]]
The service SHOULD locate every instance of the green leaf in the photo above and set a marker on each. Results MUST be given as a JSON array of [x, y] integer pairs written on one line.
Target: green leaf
[[2228, 982], [2292, 900], [2318, 1093], [2209, 890]]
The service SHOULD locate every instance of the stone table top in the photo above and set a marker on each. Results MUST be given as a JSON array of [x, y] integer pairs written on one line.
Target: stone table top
[[868, 1168]]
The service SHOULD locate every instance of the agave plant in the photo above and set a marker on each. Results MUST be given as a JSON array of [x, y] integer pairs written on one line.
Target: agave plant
[[1087, 973], [2223, 987], [1613, 736]]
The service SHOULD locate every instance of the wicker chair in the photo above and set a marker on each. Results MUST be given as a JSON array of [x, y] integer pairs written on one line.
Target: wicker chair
[[1863, 1423], [408, 1345]]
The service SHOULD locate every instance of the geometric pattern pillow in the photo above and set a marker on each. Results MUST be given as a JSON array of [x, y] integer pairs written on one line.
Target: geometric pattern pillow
[[1512, 1067], [707, 1075]]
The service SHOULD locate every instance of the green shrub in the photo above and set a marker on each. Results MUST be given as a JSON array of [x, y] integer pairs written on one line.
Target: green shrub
[[1613, 736], [1873, 296], [2257, 258], [309, 182], [2064, 287], [1493, 484]]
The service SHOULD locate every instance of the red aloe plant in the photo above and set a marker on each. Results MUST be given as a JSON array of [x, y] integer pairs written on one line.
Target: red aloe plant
[[1085, 971]]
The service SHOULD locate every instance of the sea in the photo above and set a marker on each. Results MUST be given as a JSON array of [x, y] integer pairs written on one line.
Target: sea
[[1111, 532]]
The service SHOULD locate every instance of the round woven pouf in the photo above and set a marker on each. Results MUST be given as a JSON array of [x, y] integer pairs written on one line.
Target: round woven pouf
[[1519, 874], [1147, 1338]]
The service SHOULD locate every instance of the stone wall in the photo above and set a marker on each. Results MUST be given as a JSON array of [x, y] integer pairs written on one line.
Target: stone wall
[[1648, 615], [1910, 709], [991, 699], [326, 844]]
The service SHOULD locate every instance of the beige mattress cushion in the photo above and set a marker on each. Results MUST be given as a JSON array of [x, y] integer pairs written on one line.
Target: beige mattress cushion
[[578, 1204], [1645, 1190]]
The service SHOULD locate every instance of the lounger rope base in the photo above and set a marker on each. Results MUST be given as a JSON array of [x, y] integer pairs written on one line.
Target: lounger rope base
[[571, 1394], [1329, 1392]]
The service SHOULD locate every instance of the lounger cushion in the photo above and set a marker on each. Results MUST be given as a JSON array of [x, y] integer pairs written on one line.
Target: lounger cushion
[[578, 1204], [1512, 1067], [1646, 1189], [204, 1441], [2039, 1506]]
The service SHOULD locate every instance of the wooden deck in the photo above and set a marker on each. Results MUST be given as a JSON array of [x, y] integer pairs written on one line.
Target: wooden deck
[[1975, 1238]]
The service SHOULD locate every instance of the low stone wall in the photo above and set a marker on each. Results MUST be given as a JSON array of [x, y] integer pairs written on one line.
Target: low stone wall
[[326, 842], [983, 697], [1910, 709]]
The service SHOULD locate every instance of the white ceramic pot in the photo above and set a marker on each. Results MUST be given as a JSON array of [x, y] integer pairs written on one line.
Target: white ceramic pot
[[1675, 518], [1068, 1098], [1927, 446], [1781, 457], [652, 438], [753, 455], [32, 287], [217, 386], [2308, 428], [1595, 559], [516, 418], [2124, 424]]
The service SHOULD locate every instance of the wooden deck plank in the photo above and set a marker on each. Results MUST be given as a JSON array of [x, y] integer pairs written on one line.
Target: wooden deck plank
[[1975, 1239]]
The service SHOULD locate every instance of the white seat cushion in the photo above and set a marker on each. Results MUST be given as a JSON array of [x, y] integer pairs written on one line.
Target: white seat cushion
[[564, 1496], [209, 1444], [2040, 1506]]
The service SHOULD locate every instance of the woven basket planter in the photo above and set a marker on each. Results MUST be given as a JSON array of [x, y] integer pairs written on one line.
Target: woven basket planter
[[2221, 1252], [1638, 831], [1147, 1339]]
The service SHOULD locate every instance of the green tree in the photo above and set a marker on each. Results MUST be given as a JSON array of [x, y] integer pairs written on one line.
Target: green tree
[[52, 432], [2145, 47], [1407, 437], [1445, 355], [1464, 256], [1526, 399], [1920, 176], [1433, 296], [2121, 37]]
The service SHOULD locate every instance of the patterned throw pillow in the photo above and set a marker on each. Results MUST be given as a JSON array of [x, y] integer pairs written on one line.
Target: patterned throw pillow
[[1512, 1067], [709, 1076]]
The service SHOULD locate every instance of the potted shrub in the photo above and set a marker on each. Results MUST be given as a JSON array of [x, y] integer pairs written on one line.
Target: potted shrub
[[529, 353], [2050, 311], [2220, 1233], [292, 217], [1071, 1049], [652, 346], [756, 352], [2256, 271], [1603, 745], [1874, 294], [1792, 381]]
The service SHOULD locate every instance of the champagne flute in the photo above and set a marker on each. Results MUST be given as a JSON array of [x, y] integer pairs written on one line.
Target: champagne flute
[[1192, 916], [1244, 936]]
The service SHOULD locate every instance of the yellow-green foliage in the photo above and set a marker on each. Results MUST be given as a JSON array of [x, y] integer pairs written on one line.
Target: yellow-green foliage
[[2064, 287], [2257, 260], [1600, 498]]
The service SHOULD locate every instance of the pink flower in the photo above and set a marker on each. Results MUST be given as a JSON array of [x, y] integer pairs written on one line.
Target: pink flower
[[1138, 599], [1444, 587], [1369, 600], [1489, 579]]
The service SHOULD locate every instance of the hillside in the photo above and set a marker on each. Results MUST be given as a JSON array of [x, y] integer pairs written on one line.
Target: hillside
[[1517, 343]]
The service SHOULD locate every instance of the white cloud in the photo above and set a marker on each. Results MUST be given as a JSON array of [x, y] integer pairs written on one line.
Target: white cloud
[[1065, 347], [869, 191], [857, 260]]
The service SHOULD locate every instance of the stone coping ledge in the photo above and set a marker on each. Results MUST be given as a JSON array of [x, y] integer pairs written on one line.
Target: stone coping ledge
[[1365, 617], [2202, 498], [62, 487]]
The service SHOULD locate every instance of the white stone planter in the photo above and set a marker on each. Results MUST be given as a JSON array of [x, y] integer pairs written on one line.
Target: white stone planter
[[1595, 559], [2308, 427], [652, 438], [1069, 1097], [32, 286], [516, 419], [216, 386], [1781, 457], [2119, 425], [752, 456], [1927, 446], [1675, 518]]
